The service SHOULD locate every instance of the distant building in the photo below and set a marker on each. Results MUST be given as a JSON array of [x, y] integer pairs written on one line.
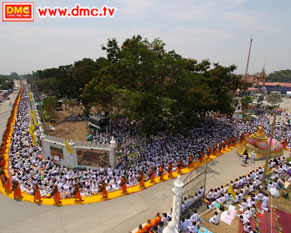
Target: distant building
[[259, 83]]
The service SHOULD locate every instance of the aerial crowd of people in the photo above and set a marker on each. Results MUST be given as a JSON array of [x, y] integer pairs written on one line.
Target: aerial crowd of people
[[163, 154]]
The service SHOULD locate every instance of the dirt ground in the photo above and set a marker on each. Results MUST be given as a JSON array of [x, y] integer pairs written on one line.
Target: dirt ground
[[75, 130], [286, 104], [222, 226]]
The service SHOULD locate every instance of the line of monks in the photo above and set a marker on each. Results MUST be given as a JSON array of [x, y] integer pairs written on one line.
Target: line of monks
[[148, 227]]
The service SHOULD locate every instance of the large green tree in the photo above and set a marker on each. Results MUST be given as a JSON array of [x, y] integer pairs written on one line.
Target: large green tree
[[159, 88]]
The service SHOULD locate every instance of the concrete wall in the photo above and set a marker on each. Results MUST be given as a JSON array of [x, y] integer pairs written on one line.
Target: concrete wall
[[70, 160]]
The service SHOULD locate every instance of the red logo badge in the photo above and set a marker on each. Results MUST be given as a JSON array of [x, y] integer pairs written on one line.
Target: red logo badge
[[17, 12]]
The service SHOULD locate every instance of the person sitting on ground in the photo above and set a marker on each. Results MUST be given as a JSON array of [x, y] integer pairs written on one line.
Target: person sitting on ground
[[235, 200], [265, 200], [243, 205], [195, 217], [212, 205], [247, 227], [194, 228], [184, 224], [259, 196], [214, 219]]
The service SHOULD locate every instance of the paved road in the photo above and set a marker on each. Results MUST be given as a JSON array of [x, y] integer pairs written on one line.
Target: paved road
[[5, 111], [115, 216]]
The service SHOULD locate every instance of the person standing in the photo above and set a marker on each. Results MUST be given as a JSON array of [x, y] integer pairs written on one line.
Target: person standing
[[77, 193], [170, 172], [253, 155], [179, 167], [37, 196], [17, 190], [214, 219], [7, 185], [152, 175], [244, 158], [123, 184], [141, 180], [56, 195], [103, 190], [161, 173]]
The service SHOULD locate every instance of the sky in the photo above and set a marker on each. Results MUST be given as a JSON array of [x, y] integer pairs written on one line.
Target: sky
[[218, 30]]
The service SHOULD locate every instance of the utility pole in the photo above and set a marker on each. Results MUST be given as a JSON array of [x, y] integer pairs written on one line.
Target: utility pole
[[269, 151]]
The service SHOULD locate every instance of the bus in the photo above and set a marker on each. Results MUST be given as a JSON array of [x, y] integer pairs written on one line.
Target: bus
[[98, 121]]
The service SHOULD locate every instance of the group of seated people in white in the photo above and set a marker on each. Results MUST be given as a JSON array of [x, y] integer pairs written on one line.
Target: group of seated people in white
[[249, 192]]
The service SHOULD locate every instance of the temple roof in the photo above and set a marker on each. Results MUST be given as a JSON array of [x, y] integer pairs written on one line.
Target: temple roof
[[263, 73]]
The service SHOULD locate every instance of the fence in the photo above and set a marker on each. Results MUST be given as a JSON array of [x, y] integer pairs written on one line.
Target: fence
[[192, 184]]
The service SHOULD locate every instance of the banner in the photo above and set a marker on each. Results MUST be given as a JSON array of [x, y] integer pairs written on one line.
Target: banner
[[69, 149], [32, 114], [31, 128], [231, 191], [30, 96]]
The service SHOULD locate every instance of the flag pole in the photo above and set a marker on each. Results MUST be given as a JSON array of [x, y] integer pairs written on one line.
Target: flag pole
[[269, 151]]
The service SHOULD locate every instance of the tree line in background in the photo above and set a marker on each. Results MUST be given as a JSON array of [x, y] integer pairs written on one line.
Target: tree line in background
[[280, 76], [6, 81], [140, 80]]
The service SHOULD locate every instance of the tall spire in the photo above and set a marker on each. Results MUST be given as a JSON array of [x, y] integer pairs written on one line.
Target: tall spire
[[248, 60], [262, 77], [263, 73]]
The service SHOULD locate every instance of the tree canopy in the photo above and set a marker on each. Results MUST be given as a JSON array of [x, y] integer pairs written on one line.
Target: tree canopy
[[280, 76], [274, 99], [159, 88]]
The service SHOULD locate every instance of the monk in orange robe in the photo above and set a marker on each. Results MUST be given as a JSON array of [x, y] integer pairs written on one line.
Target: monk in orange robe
[[161, 173], [241, 138], [141, 180], [170, 170], [152, 175], [224, 145], [190, 161], [2, 177], [37, 196], [7, 185], [140, 230], [156, 220], [56, 195], [179, 167], [233, 141], [208, 151], [228, 143], [148, 226], [219, 148], [123, 184], [201, 156], [77, 193], [17, 190], [214, 150], [2, 161], [103, 190]]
